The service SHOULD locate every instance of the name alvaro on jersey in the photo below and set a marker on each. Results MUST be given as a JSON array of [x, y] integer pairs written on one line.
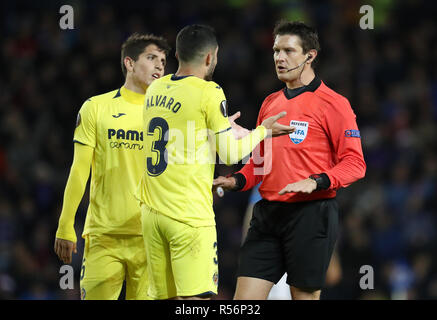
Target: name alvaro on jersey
[[161, 101], [170, 143]]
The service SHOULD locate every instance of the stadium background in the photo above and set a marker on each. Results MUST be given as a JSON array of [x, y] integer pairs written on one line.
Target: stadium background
[[388, 220]]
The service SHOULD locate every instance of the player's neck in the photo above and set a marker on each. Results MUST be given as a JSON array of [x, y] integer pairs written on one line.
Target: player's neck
[[305, 78], [134, 86], [188, 70]]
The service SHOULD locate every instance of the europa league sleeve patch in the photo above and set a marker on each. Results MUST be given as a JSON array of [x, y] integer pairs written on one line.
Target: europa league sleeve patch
[[224, 108], [78, 120]]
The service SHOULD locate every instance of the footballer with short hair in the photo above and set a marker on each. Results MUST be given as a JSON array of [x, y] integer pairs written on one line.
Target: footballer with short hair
[[108, 139]]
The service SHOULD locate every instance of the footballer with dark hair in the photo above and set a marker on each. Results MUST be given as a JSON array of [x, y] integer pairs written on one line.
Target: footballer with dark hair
[[108, 139], [175, 191]]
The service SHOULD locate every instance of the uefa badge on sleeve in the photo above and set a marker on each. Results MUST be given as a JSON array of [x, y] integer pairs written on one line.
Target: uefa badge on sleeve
[[301, 131], [78, 120], [224, 108], [215, 278], [82, 294]]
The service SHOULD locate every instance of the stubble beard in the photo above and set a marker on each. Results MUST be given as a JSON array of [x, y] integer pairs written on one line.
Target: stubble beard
[[210, 73]]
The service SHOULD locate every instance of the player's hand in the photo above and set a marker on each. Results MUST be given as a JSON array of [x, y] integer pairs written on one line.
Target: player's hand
[[64, 249], [276, 129], [226, 183], [238, 131], [304, 186]]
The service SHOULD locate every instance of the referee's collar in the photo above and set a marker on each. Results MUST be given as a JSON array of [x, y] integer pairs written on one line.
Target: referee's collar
[[132, 96], [311, 87]]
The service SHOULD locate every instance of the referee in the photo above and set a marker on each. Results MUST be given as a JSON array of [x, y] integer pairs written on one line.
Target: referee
[[294, 226]]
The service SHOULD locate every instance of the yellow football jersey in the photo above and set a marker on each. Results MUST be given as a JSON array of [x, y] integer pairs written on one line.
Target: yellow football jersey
[[181, 115], [112, 124]]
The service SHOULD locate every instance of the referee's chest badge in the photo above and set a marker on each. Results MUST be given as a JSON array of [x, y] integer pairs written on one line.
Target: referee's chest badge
[[301, 131]]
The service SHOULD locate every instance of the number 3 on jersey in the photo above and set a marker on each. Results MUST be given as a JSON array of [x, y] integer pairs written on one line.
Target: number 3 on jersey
[[158, 146]]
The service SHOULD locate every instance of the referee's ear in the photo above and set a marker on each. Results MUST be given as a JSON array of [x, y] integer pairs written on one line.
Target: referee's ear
[[311, 54]]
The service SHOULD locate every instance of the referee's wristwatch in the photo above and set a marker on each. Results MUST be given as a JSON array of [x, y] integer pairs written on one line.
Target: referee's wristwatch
[[240, 181], [322, 180]]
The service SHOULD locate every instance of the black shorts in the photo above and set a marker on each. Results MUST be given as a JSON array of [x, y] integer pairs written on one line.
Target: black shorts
[[297, 238]]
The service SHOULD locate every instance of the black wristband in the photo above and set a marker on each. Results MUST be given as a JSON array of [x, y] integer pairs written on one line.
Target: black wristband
[[240, 181], [322, 180]]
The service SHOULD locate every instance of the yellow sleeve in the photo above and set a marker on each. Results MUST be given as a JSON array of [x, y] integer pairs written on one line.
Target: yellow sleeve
[[231, 150], [85, 132], [216, 113], [74, 190], [228, 148]]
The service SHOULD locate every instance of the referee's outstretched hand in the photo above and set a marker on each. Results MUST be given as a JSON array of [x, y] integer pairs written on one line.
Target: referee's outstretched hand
[[304, 186], [64, 249], [276, 129]]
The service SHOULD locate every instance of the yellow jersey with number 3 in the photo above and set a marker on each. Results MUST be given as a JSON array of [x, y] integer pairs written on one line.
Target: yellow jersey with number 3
[[181, 115], [111, 123]]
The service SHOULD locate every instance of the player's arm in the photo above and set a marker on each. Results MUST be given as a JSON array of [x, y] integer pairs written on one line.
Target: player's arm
[[230, 149], [85, 142], [245, 179], [65, 242]]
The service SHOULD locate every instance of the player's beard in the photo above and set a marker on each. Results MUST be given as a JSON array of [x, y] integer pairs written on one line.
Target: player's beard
[[209, 74]]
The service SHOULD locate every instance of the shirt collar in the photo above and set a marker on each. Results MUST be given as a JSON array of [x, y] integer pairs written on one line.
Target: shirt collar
[[131, 96], [311, 87], [175, 77]]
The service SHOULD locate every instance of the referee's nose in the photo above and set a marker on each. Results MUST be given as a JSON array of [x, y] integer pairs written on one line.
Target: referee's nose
[[280, 57]]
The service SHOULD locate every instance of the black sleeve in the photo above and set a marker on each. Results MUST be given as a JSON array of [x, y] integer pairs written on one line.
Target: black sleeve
[[322, 180], [240, 181]]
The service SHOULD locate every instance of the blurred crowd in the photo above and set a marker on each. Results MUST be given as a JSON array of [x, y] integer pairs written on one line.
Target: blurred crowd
[[388, 219]]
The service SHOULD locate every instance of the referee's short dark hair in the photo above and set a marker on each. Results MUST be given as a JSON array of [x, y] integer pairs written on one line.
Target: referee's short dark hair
[[308, 35], [193, 41], [137, 43]]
